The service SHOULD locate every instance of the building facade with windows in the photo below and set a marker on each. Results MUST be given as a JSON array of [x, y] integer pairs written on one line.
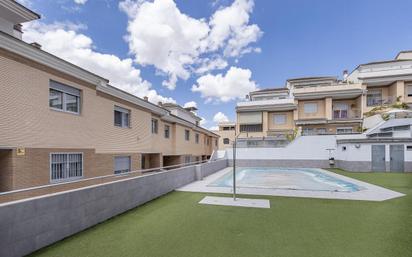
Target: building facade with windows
[[61, 122], [227, 134], [326, 105]]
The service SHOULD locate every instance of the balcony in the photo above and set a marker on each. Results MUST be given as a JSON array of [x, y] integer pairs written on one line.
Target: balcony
[[372, 101], [269, 105], [341, 90], [345, 115]]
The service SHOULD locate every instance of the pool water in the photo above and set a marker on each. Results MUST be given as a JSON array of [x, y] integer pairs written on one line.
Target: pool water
[[285, 178]]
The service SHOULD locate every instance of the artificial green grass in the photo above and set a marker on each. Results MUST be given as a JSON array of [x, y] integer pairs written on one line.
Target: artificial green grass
[[176, 225]]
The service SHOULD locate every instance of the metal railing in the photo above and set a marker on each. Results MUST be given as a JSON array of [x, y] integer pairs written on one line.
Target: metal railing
[[380, 101], [346, 114], [84, 182], [265, 142]]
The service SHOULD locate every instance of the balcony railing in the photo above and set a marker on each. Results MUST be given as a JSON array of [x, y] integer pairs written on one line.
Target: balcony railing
[[380, 101], [346, 114], [262, 142]]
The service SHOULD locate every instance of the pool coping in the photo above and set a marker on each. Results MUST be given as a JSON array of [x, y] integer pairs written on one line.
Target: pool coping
[[370, 192]]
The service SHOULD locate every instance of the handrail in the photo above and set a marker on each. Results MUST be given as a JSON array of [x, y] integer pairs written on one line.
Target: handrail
[[141, 171]]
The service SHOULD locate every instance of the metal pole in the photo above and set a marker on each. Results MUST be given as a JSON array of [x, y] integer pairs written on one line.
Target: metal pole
[[234, 169]]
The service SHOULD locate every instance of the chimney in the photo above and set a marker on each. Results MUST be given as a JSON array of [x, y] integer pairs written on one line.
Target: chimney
[[36, 45], [345, 75], [160, 104], [247, 97], [146, 98], [18, 27]]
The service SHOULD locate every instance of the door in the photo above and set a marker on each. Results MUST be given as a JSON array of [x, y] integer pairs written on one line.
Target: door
[[378, 158], [397, 158]]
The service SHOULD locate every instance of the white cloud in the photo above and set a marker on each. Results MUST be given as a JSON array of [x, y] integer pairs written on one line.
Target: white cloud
[[202, 122], [66, 41], [236, 83], [220, 117], [230, 29], [80, 1], [214, 128], [190, 104], [176, 44]]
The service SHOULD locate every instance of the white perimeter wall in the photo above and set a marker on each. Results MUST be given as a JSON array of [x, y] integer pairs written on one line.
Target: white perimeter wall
[[302, 148], [314, 148]]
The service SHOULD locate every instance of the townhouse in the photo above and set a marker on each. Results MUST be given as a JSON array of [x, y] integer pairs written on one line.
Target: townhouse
[[227, 134], [326, 105], [61, 122]]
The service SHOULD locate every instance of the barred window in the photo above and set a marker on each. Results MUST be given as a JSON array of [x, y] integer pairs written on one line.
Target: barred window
[[66, 166]]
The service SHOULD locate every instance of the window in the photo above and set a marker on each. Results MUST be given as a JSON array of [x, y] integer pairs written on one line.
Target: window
[[409, 90], [187, 135], [216, 143], [197, 138], [122, 164], [409, 148], [279, 119], [251, 128], [226, 141], [208, 141], [308, 131], [340, 111], [188, 158], [66, 166], [64, 98], [321, 131], [374, 97], [167, 131], [121, 117], [344, 130], [155, 125], [310, 107]]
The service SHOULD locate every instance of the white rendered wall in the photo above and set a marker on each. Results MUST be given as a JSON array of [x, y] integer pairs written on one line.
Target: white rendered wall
[[302, 148], [314, 148]]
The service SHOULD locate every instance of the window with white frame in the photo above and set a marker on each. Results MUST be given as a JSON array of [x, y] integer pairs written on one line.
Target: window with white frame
[[197, 138], [155, 126], [310, 107], [64, 98], [66, 166], [344, 130], [187, 135], [340, 111], [121, 117], [279, 119], [122, 164]]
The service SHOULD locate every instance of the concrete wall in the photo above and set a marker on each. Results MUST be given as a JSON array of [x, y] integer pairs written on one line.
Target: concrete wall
[[28, 225], [302, 148], [311, 151]]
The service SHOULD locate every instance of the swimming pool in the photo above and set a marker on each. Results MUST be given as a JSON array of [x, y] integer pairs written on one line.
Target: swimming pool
[[285, 178]]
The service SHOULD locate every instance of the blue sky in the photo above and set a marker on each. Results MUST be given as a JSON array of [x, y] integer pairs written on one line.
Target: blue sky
[[295, 38]]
